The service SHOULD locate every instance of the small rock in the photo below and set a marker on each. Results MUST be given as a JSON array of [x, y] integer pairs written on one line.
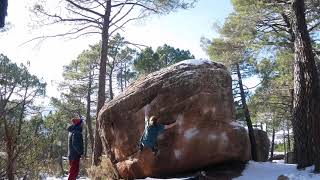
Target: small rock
[[283, 177]]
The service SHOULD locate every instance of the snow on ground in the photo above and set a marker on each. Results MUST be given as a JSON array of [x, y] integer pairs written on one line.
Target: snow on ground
[[258, 170], [270, 171]]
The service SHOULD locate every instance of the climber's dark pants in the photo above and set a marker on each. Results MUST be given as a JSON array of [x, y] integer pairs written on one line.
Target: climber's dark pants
[[154, 148]]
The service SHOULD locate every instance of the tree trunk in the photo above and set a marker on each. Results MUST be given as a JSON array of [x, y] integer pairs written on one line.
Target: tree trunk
[[247, 116], [110, 84], [61, 164], [125, 75], [3, 12], [288, 140], [284, 142], [306, 93], [291, 45], [9, 139], [102, 81], [266, 127], [272, 143], [121, 77], [88, 116], [288, 136], [85, 141], [291, 91]]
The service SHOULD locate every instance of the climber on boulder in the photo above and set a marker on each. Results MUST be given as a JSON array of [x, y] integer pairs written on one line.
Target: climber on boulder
[[151, 132]]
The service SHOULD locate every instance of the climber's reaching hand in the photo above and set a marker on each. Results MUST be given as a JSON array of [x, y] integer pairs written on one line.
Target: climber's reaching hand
[[170, 125]]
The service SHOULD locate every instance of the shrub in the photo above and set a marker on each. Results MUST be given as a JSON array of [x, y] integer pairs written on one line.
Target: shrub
[[105, 170]]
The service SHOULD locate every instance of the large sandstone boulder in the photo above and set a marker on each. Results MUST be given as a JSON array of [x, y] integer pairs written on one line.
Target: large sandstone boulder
[[195, 93], [263, 144]]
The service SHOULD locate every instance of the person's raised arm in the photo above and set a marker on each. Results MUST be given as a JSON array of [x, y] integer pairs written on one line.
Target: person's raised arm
[[170, 125], [146, 114]]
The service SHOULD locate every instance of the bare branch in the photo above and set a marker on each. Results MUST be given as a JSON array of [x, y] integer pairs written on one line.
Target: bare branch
[[136, 45], [97, 1], [29, 96], [247, 88], [71, 32], [82, 34], [85, 16], [314, 26], [135, 3], [113, 23], [115, 15], [85, 9], [121, 26], [10, 94], [61, 19]]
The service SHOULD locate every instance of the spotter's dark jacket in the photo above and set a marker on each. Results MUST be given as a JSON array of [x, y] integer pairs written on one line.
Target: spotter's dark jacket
[[75, 142]]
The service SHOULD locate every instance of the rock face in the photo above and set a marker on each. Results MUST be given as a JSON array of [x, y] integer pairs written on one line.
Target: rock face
[[198, 95], [263, 145]]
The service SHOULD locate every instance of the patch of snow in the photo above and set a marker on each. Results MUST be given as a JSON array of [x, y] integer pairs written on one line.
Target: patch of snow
[[278, 161], [214, 69], [177, 153], [223, 140], [186, 73], [224, 137], [195, 62], [179, 120], [190, 133], [236, 125], [212, 137], [269, 171], [277, 153]]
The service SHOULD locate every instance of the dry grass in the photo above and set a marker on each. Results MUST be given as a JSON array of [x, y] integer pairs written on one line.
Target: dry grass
[[105, 170]]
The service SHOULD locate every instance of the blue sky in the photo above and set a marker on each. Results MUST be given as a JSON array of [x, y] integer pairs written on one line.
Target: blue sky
[[182, 29]]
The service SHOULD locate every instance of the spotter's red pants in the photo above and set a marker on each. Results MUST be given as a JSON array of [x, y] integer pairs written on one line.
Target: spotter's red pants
[[74, 169]]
